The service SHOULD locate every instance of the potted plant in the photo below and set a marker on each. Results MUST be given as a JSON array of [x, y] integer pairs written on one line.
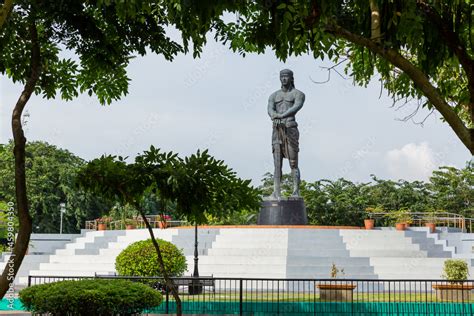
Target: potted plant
[[456, 272], [163, 221], [130, 224], [431, 220], [402, 218], [336, 291], [102, 222], [369, 222]]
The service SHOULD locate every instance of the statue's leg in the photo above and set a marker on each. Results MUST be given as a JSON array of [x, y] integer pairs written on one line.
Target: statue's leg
[[277, 160], [295, 173], [293, 148]]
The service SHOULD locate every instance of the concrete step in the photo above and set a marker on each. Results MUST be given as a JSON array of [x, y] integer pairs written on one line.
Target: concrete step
[[338, 261], [116, 252], [383, 246], [406, 276], [240, 260], [83, 259], [409, 270], [324, 276], [396, 262], [77, 267], [375, 232], [388, 253], [259, 252], [69, 273], [326, 269], [273, 245], [238, 268]]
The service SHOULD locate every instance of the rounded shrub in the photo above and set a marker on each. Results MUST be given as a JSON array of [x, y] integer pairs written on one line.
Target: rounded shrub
[[140, 259], [90, 297], [455, 270]]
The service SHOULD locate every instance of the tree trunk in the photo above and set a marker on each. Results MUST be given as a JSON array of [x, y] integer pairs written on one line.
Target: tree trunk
[[5, 11], [24, 218], [168, 281]]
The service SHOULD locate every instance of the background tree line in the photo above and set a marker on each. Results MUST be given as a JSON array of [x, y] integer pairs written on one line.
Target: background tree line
[[343, 202], [51, 173]]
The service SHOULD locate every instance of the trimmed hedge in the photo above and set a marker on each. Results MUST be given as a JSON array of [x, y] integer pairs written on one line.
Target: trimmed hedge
[[140, 259], [90, 297]]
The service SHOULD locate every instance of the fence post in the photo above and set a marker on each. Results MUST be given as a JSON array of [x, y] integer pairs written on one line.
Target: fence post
[[389, 300], [241, 296], [167, 308], [278, 297]]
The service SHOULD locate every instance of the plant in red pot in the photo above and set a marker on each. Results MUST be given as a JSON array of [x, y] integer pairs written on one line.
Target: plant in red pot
[[458, 289], [336, 290], [371, 212], [163, 221], [402, 218], [430, 220], [130, 224], [102, 222]]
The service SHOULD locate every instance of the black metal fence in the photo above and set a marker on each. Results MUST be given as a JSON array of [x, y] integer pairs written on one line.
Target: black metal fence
[[239, 296]]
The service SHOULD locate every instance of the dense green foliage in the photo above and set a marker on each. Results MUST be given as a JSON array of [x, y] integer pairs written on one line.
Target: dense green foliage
[[104, 35], [420, 51], [455, 269], [197, 185], [140, 258], [342, 202], [50, 180], [90, 297]]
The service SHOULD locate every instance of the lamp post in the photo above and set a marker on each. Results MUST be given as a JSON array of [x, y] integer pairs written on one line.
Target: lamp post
[[196, 253], [195, 286], [62, 210]]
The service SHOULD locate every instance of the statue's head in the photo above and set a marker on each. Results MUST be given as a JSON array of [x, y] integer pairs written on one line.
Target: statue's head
[[286, 78]]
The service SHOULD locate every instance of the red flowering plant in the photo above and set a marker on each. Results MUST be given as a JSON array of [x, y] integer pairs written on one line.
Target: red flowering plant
[[164, 218]]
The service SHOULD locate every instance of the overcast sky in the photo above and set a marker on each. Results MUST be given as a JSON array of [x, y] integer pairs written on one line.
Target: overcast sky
[[220, 102]]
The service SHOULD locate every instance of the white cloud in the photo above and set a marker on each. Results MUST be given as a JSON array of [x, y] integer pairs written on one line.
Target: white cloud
[[411, 162]]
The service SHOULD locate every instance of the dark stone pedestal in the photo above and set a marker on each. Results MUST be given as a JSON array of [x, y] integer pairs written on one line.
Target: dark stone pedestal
[[286, 211]]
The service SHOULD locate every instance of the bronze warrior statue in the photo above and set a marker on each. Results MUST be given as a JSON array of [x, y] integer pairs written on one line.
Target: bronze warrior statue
[[282, 108]]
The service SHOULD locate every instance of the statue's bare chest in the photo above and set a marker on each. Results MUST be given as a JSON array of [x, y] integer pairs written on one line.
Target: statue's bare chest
[[284, 101]]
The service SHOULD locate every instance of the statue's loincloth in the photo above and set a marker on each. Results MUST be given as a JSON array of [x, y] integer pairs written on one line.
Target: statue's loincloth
[[287, 138]]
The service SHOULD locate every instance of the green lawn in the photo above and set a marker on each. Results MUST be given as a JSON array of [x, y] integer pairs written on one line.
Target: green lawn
[[309, 297]]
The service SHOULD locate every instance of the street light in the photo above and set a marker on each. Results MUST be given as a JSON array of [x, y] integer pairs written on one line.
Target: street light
[[195, 286], [196, 253], [62, 210]]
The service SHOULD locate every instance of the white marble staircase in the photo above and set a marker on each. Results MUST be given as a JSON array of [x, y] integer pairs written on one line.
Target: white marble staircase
[[260, 253]]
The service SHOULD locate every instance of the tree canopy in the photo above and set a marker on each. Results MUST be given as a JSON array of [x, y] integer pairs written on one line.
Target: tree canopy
[[198, 185], [63, 48], [50, 175], [420, 51]]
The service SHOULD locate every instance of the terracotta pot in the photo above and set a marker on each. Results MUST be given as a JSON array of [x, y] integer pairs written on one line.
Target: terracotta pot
[[162, 225], [369, 223], [453, 292], [129, 227], [101, 226], [400, 226], [336, 292], [431, 226]]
